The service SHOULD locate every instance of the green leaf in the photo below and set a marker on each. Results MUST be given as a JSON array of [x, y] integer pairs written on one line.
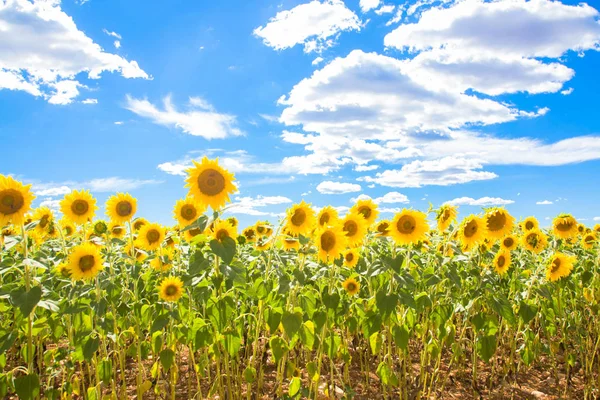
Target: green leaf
[[331, 301], [313, 371], [387, 376], [503, 307], [159, 323], [167, 358], [199, 224], [27, 387], [307, 334], [295, 385], [291, 323], [401, 336], [250, 375], [7, 341], [527, 312], [375, 341], [486, 347], [386, 303], [105, 371], [527, 356], [225, 249], [278, 347], [90, 347], [26, 301], [232, 343]]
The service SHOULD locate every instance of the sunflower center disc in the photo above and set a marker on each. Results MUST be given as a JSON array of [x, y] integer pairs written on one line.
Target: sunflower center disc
[[383, 228], [564, 226], [44, 221], [324, 219], [532, 240], [501, 261], [365, 211], [555, 265], [406, 224], [86, 263], [445, 215], [188, 212], [351, 287], [211, 182], [153, 236], [529, 225], [496, 222], [299, 217], [508, 242], [171, 290], [328, 241], [222, 234], [249, 234], [471, 228], [68, 230], [117, 230], [11, 201], [80, 207], [350, 228], [349, 257], [195, 232], [124, 208]]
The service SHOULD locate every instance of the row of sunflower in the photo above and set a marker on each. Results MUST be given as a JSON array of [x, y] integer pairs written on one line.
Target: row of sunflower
[[310, 306]]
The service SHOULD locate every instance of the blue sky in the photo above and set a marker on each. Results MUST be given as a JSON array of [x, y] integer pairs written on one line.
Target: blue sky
[[473, 102]]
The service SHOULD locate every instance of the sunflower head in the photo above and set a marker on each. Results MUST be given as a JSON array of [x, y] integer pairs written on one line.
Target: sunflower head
[[151, 236], [581, 229], [330, 242], [472, 230], [139, 255], [43, 216], [187, 211], [67, 227], [502, 261], [351, 258], [445, 216], [289, 242], [170, 289], [52, 230], [559, 266], [250, 234], [588, 240], [367, 208], [409, 227], [15, 201], [327, 216], [121, 207], [79, 206], [100, 227], [529, 224], [382, 228], [164, 261], [300, 219], [564, 226], [223, 229], [351, 286], [499, 222], [263, 243], [85, 261], [355, 228], [116, 230], [534, 241], [62, 270], [210, 184], [508, 242]]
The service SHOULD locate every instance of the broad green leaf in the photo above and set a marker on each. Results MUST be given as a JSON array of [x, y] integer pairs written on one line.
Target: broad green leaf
[[26, 301], [27, 386]]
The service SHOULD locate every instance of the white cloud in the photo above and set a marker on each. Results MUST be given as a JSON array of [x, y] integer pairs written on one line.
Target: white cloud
[[113, 34], [90, 101], [596, 218], [42, 190], [119, 122], [385, 9], [388, 198], [483, 201], [42, 52], [544, 202], [366, 5], [248, 205], [53, 204], [567, 92], [316, 25], [317, 60], [329, 187], [363, 168], [117, 44], [98, 185], [199, 120]]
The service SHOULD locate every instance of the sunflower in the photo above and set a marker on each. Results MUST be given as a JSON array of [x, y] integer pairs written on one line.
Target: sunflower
[[409, 227], [62, 269], [67, 227], [367, 208], [44, 216], [85, 261], [263, 243], [588, 294], [471, 231], [164, 261], [79, 206], [446, 249], [502, 261], [581, 229], [327, 216], [116, 230], [52, 230], [223, 229], [138, 223], [8, 231], [534, 241], [351, 286], [121, 207], [190, 234], [187, 211], [151, 236], [233, 221], [250, 234], [382, 228], [588, 240], [100, 227], [529, 224], [508, 242], [15, 201], [331, 242], [300, 219], [499, 223], [290, 243], [559, 265], [351, 258], [210, 184], [597, 228], [170, 289], [445, 216], [140, 255], [564, 226]]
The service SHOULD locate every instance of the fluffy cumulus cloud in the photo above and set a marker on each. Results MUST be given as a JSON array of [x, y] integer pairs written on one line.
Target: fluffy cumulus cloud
[[388, 198], [198, 119], [366, 5], [330, 187], [316, 25], [256, 206], [43, 53], [481, 202]]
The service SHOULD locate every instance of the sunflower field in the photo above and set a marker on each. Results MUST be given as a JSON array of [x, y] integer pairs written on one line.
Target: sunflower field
[[317, 305]]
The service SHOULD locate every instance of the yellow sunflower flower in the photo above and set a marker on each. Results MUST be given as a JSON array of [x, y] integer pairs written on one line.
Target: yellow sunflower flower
[[382, 228], [151, 236], [190, 234], [187, 211], [499, 223], [509, 242], [502, 261], [138, 223], [15, 201], [351, 258], [472, 231], [250, 234], [263, 243], [67, 227], [44, 216], [409, 227], [85, 262], [223, 229], [351, 286], [355, 228], [140, 255], [581, 229], [121, 207], [210, 184], [117, 230], [534, 241], [445, 216], [290, 243], [588, 240], [529, 223], [233, 221], [100, 228], [597, 228], [164, 261], [300, 219], [79, 206], [559, 266], [327, 216], [170, 289], [330, 242], [367, 208], [564, 226], [52, 230]]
